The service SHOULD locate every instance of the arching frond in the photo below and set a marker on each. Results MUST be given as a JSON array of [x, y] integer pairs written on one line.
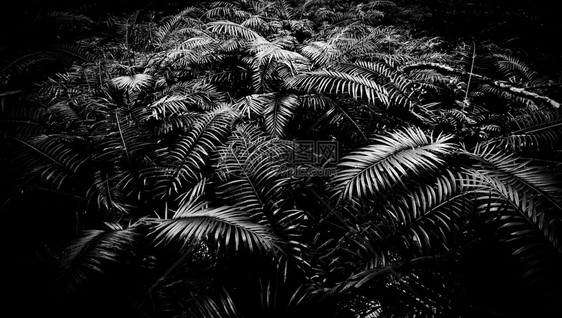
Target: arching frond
[[378, 167], [251, 166], [33, 63], [68, 18], [95, 253], [531, 230], [248, 163], [183, 162], [54, 158], [23, 122], [172, 24], [510, 66], [226, 226], [321, 53], [227, 11], [398, 86], [256, 23], [233, 29], [519, 175], [533, 130], [430, 215], [278, 113], [316, 102], [253, 105], [331, 82], [198, 42], [185, 97], [266, 51]]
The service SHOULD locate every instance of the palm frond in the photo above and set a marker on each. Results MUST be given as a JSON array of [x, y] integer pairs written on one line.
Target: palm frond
[[227, 11], [510, 66], [54, 158], [278, 113], [430, 215], [251, 166], [67, 18], [321, 53], [30, 64], [134, 82], [316, 102], [266, 51], [531, 230], [183, 162], [380, 166], [172, 24], [233, 29], [256, 23], [249, 162], [253, 105], [519, 175], [533, 130], [95, 253], [226, 226], [331, 82]]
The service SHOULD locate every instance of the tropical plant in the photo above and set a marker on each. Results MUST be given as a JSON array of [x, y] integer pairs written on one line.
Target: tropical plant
[[163, 172]]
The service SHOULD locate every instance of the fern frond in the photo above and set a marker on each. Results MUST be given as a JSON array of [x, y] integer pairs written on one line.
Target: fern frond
[[278, 113], [62, 56], [53, 157], [133, 83], [266, 51], [253, 105], [107, 196], [510, 66], [184, 161], [226, 226], [199, 42], [534, 130], [518, 174], [331, 82], [250, 163], [316, 102], [233, 29], [532, 231], [376, 168], [256, 23], [68, 18], [95, 253], [172, 24], [321, 53], [227, 11], [430, 215], [24, 122]]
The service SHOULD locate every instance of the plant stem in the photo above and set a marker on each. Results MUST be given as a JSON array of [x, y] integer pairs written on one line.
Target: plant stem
[[471, 70]]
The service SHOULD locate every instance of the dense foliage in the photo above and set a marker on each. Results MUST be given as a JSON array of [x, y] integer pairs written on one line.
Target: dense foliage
[[278, 158]]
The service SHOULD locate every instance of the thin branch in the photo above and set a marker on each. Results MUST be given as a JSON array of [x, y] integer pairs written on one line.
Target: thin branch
[[498, 83], [471, 70]]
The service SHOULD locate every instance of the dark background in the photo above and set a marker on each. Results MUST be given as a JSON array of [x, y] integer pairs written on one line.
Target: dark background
[[530, 28]]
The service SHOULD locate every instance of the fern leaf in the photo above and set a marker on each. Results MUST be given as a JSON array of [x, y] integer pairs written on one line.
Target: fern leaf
[[330, 82], [134, 82], [94, 254], [233, 29], [227, 226], [278, 113], [377, 168]]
